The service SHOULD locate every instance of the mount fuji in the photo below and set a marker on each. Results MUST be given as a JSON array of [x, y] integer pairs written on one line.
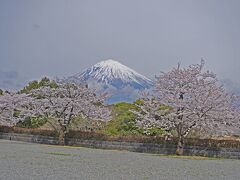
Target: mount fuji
[[119, 81]]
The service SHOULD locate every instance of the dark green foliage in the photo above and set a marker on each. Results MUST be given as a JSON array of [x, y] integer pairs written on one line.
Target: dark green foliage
[[163, 108], [124, 122], [85, 124], [32, 123], [45, 82], [1, 92], [99, 104], [16, 113], [139, 102]]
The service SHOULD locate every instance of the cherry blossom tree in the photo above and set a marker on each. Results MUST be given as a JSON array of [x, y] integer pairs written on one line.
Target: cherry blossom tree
[[62, 103], [191, 98], [13, 108], [68, 101]]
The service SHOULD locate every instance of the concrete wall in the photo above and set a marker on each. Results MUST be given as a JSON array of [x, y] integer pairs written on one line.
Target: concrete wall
[[166, 149], [29, 138]]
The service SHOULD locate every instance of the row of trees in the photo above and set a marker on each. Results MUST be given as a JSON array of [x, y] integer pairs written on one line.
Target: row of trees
[[61, 103], [191, 97]]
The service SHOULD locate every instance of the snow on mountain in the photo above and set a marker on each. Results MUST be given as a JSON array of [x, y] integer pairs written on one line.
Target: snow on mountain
[[113, 73], [110, 76]]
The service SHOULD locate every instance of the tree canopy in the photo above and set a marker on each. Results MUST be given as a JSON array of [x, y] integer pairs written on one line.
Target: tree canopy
[[194, 98]]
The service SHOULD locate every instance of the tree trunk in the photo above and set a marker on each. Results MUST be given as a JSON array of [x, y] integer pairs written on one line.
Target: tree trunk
[[180, 146], [62, 135]]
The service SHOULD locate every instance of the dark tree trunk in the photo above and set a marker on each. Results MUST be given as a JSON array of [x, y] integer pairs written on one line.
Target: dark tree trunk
[[180, 146], [62, 135]]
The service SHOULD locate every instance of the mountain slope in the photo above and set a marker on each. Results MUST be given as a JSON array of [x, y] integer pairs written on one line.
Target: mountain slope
[[113, 73], [118, 80]]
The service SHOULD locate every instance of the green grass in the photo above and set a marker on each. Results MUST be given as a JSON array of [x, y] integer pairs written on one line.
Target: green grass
[[59, 154], [190, 157]]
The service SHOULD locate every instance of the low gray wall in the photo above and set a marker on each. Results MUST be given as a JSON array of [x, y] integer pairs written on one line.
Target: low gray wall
[[129, 146], [166, 149], [29, 138]]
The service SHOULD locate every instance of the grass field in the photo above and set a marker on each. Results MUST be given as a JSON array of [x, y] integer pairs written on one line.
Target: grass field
[[23, 161]]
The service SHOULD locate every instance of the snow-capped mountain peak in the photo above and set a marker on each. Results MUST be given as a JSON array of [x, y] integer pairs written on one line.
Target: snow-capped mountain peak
[[113, 72], [119, 81], [109, 70]]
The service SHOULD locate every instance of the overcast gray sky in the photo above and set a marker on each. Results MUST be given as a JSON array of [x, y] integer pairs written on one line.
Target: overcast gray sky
[[62, 37]]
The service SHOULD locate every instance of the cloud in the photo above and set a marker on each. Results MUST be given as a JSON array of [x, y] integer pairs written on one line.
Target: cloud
[[10, 80], [231, 86]]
